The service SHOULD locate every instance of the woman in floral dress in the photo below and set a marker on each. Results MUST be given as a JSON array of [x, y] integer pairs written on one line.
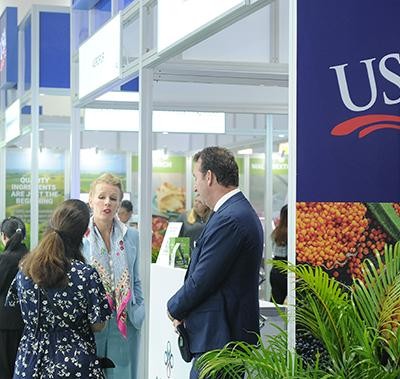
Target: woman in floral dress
[[62, 302]]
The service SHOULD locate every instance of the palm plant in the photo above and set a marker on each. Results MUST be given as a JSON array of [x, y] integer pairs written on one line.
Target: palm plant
[[358, 327]]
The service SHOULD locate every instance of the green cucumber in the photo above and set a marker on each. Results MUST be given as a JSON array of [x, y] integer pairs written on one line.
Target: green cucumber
[[386, 215]]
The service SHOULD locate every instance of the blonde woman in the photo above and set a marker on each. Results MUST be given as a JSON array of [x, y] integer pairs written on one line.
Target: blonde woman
[[113, 249]]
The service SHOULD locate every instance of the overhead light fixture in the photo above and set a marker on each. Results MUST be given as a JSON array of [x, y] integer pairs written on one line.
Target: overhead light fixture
[[245, 151], [163, 121], [123, 120], [119, 96], [188, 122]]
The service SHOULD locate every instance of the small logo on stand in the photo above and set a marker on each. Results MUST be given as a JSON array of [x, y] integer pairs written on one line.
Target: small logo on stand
[[168, 359]]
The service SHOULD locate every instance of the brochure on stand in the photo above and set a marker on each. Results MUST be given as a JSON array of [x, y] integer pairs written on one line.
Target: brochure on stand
[[172, 231], [179, 252]]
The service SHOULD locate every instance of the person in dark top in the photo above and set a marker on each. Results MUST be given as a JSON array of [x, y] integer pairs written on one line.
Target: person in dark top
[[12, 235], [278, 279], [194, 221]]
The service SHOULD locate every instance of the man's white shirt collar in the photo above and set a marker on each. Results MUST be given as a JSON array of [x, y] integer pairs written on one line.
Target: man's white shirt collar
[[224, 198]]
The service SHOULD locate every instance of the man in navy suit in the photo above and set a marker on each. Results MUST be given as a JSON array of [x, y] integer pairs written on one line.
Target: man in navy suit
[[218, 301]]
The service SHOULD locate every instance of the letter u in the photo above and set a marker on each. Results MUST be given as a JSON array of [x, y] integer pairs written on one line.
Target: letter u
[[344, 88]]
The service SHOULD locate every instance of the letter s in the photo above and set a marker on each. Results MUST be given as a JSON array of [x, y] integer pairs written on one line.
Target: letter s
[[390, 76]]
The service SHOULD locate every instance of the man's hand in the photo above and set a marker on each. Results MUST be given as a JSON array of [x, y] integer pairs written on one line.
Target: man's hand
[[176, 323], [169, 316]]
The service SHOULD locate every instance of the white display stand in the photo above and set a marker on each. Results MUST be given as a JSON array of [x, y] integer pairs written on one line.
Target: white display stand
[[164, 357]]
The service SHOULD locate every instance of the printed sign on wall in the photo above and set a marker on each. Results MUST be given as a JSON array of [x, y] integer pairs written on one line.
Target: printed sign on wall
[[348, 133], [348, 118], [18, 185]]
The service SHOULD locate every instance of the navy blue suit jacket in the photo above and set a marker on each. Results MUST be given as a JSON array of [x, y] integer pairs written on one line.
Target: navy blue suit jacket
[[219, 297]]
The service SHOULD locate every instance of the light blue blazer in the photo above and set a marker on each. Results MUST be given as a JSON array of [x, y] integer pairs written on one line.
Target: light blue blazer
[[124, 352]]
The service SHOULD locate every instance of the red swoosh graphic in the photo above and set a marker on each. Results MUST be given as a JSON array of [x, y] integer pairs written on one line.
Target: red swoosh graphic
[[372, 128], [370, 123]]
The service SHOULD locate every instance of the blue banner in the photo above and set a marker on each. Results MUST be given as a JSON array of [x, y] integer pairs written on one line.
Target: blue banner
[[8, 48], [348, 101], [54, 50]]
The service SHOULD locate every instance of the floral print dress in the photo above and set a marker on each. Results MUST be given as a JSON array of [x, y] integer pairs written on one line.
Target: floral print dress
[[57, 341]]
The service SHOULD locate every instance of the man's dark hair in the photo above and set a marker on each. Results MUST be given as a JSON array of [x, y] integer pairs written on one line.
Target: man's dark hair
[[127, 204], [221, 162]]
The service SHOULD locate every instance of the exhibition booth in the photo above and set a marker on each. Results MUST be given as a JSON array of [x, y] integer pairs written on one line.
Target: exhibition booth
[[150, 82], [220, 81]]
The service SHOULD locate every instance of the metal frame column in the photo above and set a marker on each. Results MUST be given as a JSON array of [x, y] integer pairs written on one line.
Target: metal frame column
[[269, 136], [75, 136], [292, 172], [35, 126], [145, 177]]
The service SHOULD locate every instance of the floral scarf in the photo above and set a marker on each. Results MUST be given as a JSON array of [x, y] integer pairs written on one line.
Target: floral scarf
[[112, 267]]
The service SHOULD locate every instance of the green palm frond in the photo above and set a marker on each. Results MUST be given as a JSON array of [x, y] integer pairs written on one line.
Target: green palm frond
[[321, 302], [358, 326], [271, 361], [378, 292], [377, 302]]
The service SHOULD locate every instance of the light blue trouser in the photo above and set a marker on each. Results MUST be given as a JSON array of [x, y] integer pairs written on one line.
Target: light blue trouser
[[124, 352]]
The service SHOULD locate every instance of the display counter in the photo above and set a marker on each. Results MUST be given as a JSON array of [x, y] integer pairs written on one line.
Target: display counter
[[165, 359]]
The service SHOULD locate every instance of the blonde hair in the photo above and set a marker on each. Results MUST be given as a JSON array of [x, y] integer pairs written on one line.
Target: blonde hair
[[107, 178], [191, 217]]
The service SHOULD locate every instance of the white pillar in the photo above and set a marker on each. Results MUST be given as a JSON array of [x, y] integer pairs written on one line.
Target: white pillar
[[292, 171], [145, 180], [268, 201]]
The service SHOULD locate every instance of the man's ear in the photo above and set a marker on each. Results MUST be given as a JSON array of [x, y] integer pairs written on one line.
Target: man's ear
[[210, 177]]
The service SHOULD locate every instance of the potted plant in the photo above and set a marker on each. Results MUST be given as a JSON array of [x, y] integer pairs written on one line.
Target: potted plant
[[356, 326]]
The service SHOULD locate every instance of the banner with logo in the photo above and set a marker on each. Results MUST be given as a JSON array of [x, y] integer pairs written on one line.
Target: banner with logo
[[348, 132]]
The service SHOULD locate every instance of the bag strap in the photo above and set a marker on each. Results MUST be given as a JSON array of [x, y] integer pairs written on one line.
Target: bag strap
[[39, 305]]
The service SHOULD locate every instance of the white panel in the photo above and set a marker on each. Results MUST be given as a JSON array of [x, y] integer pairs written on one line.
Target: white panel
[[163, 121], [178, 18], [165, 358], [130, 42], [175, 143], [56, 139], [111, 119], [55, 105], [13, 121], [283, 31], [188, 122], [214, 95], [100, 57], [102, 140], [129, 142], [244, 41]]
